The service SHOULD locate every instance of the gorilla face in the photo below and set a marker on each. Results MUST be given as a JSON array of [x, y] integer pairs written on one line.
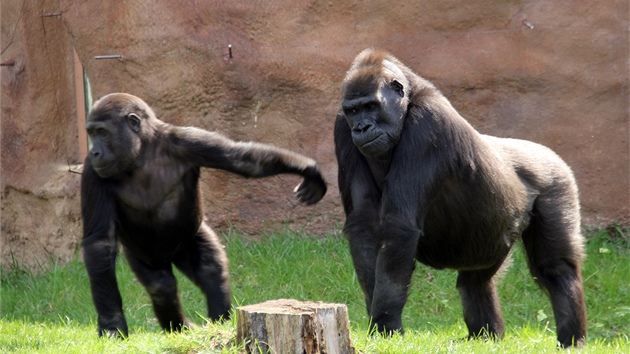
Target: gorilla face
[[101, 155], [115, 139], [376, 110]]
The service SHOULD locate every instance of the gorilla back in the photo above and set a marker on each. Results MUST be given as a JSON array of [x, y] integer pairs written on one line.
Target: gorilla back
[[140, 186], [418, 182]]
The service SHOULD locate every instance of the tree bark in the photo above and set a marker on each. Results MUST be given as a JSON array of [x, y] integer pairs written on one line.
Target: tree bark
[[291, 326]]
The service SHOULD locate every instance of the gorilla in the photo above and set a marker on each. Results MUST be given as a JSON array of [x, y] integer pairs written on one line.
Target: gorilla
[[418, 182], [140, 186]]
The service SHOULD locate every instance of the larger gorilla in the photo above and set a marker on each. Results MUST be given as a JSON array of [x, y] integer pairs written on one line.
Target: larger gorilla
[[140, 186], [418, 182]]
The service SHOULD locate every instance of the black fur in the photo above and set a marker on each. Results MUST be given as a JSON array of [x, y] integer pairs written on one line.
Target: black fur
[[140, 186], [418, 182]]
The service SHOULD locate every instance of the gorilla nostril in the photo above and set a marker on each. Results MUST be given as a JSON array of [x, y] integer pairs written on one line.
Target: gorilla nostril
[[362, 127]]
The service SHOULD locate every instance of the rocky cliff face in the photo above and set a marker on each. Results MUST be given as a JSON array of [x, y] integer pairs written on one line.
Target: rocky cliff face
[[552, 72]]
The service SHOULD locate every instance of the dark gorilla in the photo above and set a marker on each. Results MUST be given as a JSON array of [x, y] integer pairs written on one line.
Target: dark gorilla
[[418, 182], [140, 186]]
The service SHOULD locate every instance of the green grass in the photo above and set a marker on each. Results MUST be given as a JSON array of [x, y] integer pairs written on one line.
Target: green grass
[[50, 311]]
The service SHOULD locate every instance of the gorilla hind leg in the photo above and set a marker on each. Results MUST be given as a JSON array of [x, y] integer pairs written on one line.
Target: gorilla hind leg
[[161, 285], [554, 247], [482, 310], [205, 262]]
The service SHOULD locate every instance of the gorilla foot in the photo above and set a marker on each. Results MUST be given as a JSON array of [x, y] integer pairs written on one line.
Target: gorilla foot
[[576, 343], [384, 330], [485, 334], [113, 333], [179, 327]]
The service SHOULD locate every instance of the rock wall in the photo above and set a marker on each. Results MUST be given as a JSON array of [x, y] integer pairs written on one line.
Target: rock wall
[[552, 72], [40, 217]]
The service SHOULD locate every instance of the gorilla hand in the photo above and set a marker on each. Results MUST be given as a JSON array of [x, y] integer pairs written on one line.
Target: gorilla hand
[[312, 189]]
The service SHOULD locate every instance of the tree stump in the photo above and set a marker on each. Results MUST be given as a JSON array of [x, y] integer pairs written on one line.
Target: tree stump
[[291, 326]]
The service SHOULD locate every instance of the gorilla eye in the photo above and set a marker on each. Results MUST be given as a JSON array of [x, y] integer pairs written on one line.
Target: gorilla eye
[[103, 133]]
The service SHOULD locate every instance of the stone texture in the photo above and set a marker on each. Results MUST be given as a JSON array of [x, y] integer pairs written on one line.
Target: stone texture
[[40, 216], [562, 83]]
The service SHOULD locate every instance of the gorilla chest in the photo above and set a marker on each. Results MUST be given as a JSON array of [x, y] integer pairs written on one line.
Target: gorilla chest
[[158, 200], [142, 204], [155, 228]]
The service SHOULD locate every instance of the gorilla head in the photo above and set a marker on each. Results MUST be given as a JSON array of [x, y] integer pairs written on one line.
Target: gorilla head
[[375, 98], [115, 126]]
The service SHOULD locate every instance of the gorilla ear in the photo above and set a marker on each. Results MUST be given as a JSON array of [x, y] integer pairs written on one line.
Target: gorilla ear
[[134, 122], [398, 87]]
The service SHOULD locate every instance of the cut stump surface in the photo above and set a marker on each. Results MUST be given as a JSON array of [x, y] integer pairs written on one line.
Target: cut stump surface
[[291, 326]]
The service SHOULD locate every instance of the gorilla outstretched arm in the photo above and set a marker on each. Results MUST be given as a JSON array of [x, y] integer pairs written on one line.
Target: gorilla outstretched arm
[[248, 159]]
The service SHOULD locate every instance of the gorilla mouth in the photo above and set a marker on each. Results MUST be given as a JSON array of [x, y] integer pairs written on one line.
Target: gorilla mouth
[[372, 146], [370, 141], [101, 169]]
